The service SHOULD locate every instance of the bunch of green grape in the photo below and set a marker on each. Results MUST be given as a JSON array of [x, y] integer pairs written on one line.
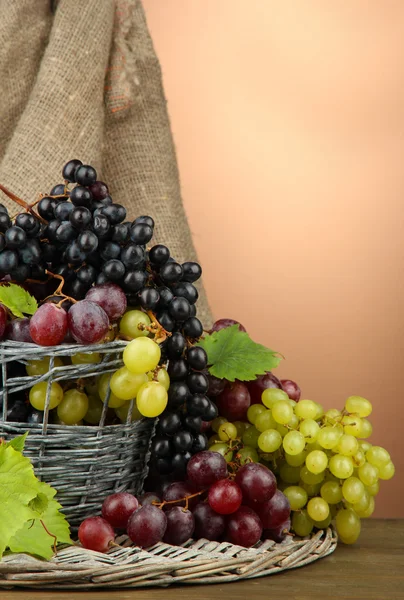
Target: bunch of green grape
[[322, 461]]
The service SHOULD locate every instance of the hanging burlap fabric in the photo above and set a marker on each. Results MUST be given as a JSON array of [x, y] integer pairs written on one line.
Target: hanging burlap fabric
[[83, 81]]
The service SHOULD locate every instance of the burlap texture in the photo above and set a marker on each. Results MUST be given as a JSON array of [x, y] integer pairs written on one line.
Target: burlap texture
[[85, 82]]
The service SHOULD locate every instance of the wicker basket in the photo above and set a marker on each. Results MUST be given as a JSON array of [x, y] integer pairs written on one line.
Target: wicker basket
[[194, 563], [83, 463]]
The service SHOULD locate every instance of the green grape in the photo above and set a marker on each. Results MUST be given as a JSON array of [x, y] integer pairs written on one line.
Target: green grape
[[250, 437], [91, 386], [296, 460], [254, 411], [94, 411], [333, 415], [310, 478], [272, 395], [37, 395], [378, 456], [364, 446], [358, 405], [359, 458], [265, 421], [316, 461], [213, 439], [151, 398], [292, 403], [306, 409], [324, 523], [141, 355], [348, 525], [311, 489], [320, 410], [247, 454], [41, 367], [362, 503], [328, 437], [125, 385], [269, 440], [103, 386], [302, 524], [366, 430], [162, 377], [123, 411], [329, 476], [368, 474], [241, 428], [310, 429], [331, 492], [367, 512], [282, 412], [86, 358], [341, 466], [348, 445], [297, 496], [223, 449], [129, 325], [318, 509], [352, 425], [227, 431], [289, 474], [353, 490], [386, 472], [282, 429], [73, 407], [373, 489], [293, 442], [294, 422], [217, 422]]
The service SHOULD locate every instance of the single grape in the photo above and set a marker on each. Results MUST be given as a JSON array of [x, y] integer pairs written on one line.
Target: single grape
[[373, 490], [216, 386], [251, 437], [297, 497], [318, 509], [41, 366], [125, 385], [208, 524], [133, 324], [73, 407], [257, 482], [205, 468], [306, 409], [291, 388], [178, 491], [366, 512], [88, 322], [146, 526], [358, 405], [282, 412], [180, 526], [348, 445], [368, 474], [264, 420], [366, 429], [192, 328], [192, 271], [37, 395], [117, 508], [302, 524], [159, 254], [348, 525], [227, 431], [288, 474], [222, 449], [341, 466], [110, 298], [216, 423], [310, 429], [272, 395], [378, 456], [69, 170], [86, 358], [279, 533], [162, 377], [316, 461], [296, 460], [294, 442], [3, 320], [197, 382], [103, 388], [149, 498], [353, 490], [225, 497], [331, 492], [352, 425], [151, 397], [197, 358], [246, 455], [95, 533], [244, 527], [123, 411], [311, 478], [387, 471], [328, 437], [254, 411], [94, 411], [48, 326], [270, 440], [141, 355]]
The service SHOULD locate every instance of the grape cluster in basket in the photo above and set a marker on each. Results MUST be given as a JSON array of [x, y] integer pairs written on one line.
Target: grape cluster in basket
[[241, 505]]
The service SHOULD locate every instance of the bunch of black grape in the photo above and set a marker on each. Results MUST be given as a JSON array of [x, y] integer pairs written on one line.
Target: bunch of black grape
[[180, 429]]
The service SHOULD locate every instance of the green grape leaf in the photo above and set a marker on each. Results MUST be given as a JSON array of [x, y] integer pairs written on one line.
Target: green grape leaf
[[18, 443], [18, 486], [39, 504], [232, 354], [17, 300], [38, 537]]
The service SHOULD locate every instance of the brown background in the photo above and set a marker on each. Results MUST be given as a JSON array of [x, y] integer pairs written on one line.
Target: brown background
[[289, 124]]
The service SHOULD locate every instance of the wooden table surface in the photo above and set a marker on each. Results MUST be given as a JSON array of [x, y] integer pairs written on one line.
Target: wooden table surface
[[372, 569]]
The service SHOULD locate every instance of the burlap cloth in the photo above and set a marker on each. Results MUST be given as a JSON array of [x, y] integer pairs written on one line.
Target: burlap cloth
[[81, 79]]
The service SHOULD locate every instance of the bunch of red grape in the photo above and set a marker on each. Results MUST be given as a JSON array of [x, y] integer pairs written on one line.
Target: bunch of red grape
[[241, 507]]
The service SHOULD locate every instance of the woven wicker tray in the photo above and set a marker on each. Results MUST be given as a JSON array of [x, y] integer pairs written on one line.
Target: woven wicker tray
[[196, 562]]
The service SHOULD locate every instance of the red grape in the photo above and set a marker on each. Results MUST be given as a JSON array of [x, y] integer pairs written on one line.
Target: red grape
[[225, 497], [223, 323], [257, 482], [208, 524], [206, 467], [88, 322], [234, 402], [244, 527], [17, 330], [262, 383], [291, 388], [3, 320], [278, 534], [110, 297], [177, 491], [273, 512], [48, 326], [216, 386], [117, 508], [147, 526], [149, 498], [180, 526], [95, 533]]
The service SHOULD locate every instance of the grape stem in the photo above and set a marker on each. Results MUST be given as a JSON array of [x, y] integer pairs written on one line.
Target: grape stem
[[22, 203], [58, 291], [186, 498], [160, 334], [51, 534]]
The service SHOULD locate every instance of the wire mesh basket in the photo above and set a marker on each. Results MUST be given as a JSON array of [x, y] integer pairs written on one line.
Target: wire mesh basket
[[84, 463]]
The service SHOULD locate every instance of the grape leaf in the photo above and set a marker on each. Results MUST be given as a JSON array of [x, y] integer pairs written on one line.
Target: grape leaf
[[18, 486], [18, 443], [34, 537], [17, 300], [39, 504], [232, 354]]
